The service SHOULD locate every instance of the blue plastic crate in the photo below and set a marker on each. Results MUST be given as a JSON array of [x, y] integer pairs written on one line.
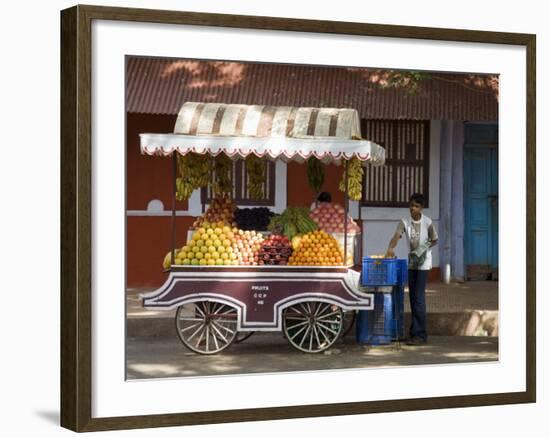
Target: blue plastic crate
[[379, 271], [384, 323], [402, 272], [377, 326]]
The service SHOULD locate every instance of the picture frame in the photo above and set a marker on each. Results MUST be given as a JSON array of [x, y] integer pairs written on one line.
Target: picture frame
[[77, 336]]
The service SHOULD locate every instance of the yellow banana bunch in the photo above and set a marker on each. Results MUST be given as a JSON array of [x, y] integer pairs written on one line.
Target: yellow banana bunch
[[355, 179], [255, 168]]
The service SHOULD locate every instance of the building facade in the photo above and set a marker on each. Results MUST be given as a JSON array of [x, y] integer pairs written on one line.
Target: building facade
[[441, 140]]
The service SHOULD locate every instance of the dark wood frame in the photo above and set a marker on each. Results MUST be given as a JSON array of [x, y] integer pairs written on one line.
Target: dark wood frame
[[76, 338]]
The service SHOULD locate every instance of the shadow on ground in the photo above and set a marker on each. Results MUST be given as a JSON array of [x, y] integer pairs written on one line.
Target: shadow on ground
[[268, 352]]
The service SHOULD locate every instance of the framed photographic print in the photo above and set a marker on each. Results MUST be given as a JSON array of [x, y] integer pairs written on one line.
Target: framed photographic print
[[267, 218]]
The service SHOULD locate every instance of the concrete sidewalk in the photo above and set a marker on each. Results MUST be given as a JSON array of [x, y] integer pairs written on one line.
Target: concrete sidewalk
[[270, 352], [457, 309]]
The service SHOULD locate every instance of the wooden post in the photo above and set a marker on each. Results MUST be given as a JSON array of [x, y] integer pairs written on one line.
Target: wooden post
[[173, 224], [346, 211]]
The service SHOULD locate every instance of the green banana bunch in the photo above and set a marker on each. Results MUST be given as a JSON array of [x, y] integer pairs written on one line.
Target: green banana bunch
[[355, 179], [183, 189], [315, 174], [195, 171], [255, 168], [223, 170]]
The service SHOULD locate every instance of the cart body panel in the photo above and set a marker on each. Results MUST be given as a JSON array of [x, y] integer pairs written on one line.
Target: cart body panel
[[260, 294]]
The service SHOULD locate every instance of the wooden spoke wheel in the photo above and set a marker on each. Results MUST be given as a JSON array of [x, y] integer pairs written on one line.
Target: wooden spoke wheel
[[206, 327], [312, 327]]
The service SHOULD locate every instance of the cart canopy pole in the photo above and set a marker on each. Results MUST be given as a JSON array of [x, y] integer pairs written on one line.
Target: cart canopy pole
[[361, 233], [346, 211], [173, 224]]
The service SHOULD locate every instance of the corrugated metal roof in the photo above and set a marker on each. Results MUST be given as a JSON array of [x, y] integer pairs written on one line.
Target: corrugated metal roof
[[161, 86]]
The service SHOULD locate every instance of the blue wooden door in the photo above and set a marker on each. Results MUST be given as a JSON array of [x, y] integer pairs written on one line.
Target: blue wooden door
[[480, 211], [494, 210]]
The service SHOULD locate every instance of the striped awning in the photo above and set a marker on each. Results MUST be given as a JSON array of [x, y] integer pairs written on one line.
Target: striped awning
[[275, 132]]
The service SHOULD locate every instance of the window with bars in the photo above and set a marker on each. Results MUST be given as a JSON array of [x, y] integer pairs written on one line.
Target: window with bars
[[406, 171], [240, 192]]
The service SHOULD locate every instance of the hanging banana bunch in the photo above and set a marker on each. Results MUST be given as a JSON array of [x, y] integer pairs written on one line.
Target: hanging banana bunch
[[184, 185], [255, 168], [195, 171], [315, 174], [223, 170], [355, 179]]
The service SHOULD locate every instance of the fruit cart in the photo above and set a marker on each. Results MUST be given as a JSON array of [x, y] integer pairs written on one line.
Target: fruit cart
[[306, 302]]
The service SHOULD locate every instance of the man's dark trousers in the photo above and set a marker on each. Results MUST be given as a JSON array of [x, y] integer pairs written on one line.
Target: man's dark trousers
[[417, 295]]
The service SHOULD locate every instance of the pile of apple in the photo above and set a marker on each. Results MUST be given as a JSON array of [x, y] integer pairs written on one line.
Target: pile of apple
[[246, 245], [221, 209], [330, 218], [275, 250]]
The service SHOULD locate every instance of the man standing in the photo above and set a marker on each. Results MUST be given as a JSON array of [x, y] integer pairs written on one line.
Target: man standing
[[422, 236]]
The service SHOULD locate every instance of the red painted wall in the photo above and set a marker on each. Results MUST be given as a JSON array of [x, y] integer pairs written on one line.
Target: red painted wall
[[148, 241], [148, 177], [298, 191]]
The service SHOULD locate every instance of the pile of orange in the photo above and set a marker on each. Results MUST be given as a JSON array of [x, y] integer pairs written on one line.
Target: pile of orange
[[316, 248]]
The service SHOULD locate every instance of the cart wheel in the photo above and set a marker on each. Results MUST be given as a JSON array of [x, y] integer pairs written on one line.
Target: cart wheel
[[312, 326], [242, 336], [206, 327]]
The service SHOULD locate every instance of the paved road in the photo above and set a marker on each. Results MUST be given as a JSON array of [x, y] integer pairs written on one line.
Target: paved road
[[270, 352]]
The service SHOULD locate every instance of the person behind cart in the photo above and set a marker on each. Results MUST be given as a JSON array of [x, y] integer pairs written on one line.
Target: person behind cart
[[323, 197], [421, 236]]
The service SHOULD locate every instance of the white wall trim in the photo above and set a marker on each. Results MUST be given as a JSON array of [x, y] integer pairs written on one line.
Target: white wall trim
[[194, 206], [354, 209], [280, 187]]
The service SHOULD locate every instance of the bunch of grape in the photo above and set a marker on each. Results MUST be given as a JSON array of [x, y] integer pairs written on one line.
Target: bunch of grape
[[253, 218], [275, 250]]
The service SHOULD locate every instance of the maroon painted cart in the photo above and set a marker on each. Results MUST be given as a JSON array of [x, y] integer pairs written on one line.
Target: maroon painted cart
[[214, 304]]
